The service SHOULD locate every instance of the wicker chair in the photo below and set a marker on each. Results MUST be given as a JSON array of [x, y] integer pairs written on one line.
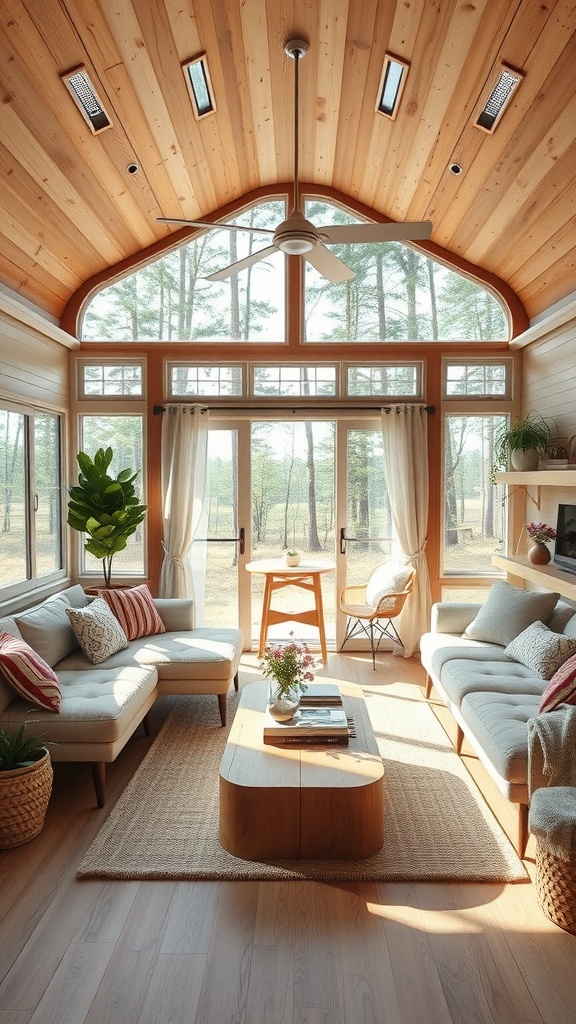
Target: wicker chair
[[373, 618]]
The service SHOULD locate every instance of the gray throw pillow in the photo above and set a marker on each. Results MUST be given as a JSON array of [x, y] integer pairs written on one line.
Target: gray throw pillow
[[507, 611], [538, 648], [47, 629]]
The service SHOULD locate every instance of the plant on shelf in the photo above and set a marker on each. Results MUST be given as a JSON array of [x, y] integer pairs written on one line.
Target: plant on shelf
[[105, 508], [25, 785], [541, 533], [522, 443]]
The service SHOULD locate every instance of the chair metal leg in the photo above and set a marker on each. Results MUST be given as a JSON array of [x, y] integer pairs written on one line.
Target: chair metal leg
[[372, 644]]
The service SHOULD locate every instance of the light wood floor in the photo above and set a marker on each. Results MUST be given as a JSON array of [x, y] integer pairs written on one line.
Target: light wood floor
[[96, 952]]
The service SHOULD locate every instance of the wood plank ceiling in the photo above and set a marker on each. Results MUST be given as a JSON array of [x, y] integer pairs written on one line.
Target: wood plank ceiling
[[69, 208]]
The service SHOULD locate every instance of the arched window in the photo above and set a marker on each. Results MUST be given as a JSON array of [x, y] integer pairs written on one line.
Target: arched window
[[398, 293]]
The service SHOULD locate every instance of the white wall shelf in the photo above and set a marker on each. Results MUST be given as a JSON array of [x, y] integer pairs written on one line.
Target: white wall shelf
[[538, 478], [548, 576]]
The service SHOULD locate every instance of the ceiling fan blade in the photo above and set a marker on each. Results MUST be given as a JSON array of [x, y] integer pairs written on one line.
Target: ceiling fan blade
[[327, 264], [391, 232], [215, 225], [248, 261]]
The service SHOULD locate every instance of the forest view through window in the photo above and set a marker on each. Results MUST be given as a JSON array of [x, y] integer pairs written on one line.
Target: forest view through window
[[398, 293]]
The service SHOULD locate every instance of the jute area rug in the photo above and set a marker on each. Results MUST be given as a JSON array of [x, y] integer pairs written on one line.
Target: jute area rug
[[437, 825]]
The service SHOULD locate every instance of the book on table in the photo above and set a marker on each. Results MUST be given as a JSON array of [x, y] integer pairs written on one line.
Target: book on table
[[309, 725], [323, 694]]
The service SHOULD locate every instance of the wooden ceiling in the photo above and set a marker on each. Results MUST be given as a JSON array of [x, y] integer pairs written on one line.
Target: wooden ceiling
[[69, 208]]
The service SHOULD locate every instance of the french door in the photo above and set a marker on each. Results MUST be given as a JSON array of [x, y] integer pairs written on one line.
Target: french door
[[312, 484]]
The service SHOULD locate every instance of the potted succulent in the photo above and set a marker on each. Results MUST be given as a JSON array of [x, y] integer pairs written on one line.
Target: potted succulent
[[105, 508], [25, 785], [292, 557], [523, 443]]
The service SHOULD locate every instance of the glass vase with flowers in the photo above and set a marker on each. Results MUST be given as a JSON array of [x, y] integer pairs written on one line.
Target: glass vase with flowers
[[540, 534], [289, 670]]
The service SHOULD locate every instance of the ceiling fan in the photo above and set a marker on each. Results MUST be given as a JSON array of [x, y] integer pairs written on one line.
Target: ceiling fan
[[297, 236]]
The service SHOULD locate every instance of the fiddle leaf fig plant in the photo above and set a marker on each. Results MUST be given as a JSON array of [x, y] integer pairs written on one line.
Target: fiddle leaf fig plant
[[107, 509]]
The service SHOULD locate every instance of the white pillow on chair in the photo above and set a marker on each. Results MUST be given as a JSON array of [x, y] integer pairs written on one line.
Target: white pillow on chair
[[386, 579]]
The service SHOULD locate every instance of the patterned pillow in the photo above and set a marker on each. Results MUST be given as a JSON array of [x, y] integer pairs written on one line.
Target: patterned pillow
[[98, 631], [28, 673], [562, 687], [507, 611], [135, 611], [540, 649]]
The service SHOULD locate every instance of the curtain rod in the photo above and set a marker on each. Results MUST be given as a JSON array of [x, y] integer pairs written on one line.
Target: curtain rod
[[159, 409]]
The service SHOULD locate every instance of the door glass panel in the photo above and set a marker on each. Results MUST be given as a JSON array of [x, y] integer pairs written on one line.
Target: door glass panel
[[13, 497], [475, 513], [370, 538], [221, 595], [48, 518], [293, 507]]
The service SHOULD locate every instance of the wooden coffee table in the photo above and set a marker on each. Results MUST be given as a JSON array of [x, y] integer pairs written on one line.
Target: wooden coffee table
[[319, 802]]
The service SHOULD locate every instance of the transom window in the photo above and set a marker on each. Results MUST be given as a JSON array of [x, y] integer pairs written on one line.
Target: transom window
[[386, 380], [108, 380], [478, 379], [204, 381], [295, 380]]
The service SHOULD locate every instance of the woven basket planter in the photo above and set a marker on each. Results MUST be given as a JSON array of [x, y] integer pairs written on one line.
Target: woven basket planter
[[556, 888], [24, 796]]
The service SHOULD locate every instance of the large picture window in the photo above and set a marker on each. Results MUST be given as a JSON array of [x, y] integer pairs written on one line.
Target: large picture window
[[30, 498]]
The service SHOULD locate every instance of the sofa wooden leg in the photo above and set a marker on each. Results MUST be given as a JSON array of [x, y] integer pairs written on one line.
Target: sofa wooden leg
[[146, 724], [428, 687], [222, 701], [522, 830], [99, 777], [236, 682], [459, 739]]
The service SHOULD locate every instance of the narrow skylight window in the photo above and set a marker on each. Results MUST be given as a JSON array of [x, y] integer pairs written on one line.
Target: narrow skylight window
[[392, 81], [86, 99], [199, 85], [498, 98]]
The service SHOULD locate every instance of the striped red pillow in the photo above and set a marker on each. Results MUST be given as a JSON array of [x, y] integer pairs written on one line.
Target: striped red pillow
[[135, 611], [562, 687], [28, 673]]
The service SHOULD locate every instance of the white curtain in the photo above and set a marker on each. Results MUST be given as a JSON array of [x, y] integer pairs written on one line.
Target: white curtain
[[184, 455], [405, 437]]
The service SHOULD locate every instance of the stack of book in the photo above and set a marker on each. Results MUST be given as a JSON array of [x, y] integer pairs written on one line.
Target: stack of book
[[319, 719]]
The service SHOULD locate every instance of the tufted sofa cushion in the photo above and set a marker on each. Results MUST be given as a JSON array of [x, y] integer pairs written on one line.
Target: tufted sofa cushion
[[499, 723]]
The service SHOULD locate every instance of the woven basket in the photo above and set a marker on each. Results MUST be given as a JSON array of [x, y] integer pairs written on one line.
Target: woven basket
[[556, 888], [24, 796]]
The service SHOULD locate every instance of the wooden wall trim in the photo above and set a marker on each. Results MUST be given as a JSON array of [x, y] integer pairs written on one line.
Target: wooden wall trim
[[26, 316]]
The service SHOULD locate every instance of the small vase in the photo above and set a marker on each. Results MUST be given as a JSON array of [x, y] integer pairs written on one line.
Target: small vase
[[282, 707], [539, 554]]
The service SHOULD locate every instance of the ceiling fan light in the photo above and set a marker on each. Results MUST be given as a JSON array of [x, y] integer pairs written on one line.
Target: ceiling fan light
[[296, 246]]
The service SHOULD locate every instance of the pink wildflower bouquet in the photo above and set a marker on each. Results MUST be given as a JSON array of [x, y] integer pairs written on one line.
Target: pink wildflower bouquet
[[289, 665], [541, 532]]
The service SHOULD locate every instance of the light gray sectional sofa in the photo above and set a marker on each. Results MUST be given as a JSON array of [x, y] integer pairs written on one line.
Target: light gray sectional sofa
[[491, 695], [103, 704]]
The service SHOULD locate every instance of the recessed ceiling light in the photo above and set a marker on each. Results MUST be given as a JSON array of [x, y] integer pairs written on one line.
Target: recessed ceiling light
[[392, 81], [455, 169], [499, 96], [199, 85], [86, 99]]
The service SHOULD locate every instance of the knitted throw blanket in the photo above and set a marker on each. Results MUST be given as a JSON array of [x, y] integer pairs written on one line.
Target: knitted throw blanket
[[552, 749]]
